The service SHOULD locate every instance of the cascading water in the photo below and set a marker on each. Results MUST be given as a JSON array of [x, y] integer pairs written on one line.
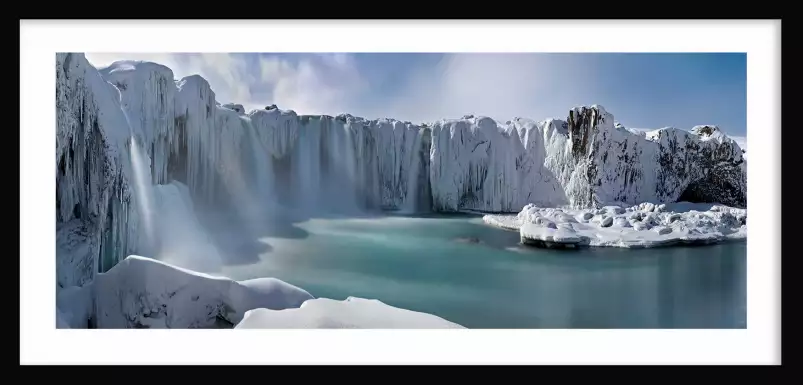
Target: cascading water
[[261, 170], [411, 198], [350, 165], [142, 185]]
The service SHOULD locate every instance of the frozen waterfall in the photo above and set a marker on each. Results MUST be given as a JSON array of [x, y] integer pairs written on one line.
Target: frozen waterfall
[[266, 161]]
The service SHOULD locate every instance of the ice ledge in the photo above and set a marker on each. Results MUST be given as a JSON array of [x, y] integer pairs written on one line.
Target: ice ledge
[[643, 225]]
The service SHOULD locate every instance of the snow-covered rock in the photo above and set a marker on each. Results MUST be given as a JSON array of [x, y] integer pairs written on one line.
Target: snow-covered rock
[[145, 293], [636, 226], [584, 161], [550, 236], [666, 165], [141, 292], [353, 313]]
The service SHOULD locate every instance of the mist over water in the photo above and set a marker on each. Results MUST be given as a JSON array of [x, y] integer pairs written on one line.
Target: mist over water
[[257, 196], [143, 187], [411, 203]]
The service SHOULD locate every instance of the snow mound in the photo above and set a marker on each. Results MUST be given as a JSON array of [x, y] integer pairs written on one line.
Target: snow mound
[[353, 313], [238, 108], [141, 292], [643, 225], [587, 160]]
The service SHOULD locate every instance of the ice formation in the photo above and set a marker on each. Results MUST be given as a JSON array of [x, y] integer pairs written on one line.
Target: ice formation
[[133, 141], [644, 225], [96, 220]]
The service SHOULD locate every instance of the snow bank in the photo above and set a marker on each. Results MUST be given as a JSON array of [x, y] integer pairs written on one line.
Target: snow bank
[[141, 292], [644, 225], [353, 313]]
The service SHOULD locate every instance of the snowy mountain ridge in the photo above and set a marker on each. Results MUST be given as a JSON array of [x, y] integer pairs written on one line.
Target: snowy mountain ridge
[[226, 156]]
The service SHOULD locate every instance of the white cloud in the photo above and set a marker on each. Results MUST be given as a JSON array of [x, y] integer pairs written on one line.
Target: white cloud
[[104, 59], [318, 84], [501, 86], [227, 74], [329, 85]]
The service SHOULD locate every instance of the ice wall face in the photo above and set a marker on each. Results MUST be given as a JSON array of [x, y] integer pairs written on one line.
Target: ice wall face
[[715, 166], [403, 164], [585, 161], [148, 95], [194, 160], [343, 162], [305, 161], [477, 164], [95, 216], [614, 165]]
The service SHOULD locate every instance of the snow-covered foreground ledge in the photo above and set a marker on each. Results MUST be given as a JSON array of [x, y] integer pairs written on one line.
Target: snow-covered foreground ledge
[[141, 292], [353, 313], [643, 225]]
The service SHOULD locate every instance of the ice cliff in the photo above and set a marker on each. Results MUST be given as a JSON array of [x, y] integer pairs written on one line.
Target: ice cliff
[[229, 157], [585, 161], [95, 219]]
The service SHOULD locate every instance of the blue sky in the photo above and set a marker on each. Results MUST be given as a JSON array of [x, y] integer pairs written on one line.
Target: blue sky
[[642, 90]]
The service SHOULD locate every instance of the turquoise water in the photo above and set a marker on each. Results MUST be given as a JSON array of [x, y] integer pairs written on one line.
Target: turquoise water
[[426, 264]]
